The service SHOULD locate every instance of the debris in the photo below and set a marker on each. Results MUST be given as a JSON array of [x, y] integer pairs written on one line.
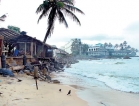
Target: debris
[[55, 81], [6, 72]]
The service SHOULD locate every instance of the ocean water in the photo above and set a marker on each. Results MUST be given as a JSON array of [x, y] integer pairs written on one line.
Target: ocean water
[[118, 74]]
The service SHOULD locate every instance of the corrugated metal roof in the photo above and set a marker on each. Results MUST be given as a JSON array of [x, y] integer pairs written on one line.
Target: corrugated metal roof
[[12, 36], [8, 34]]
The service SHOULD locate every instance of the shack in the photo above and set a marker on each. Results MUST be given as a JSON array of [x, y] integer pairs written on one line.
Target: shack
[[17, 45]]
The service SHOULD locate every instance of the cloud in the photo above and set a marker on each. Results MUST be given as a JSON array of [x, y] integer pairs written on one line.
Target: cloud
[[132, 28], [100, 37], [131, 32]]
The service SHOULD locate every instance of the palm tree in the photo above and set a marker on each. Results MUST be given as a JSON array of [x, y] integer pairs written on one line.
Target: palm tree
[[116, 46], [105, 45], [128, 46], [124, 44], [121, 46], [56, 9], [110, 45]]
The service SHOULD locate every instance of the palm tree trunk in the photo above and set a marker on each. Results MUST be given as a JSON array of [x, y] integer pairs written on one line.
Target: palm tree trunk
[[45, 38], [47, 33]]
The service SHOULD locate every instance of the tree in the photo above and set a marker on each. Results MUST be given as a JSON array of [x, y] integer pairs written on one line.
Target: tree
[[76, 47], [110, 45], [121, 46], [124, 44], [85, 48], [15, 29], [133, 49], [116, 46], [56, 9], [105, 44], [128, 47]]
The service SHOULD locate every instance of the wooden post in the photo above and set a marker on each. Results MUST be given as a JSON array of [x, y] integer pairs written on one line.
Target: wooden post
[[35, 48], [1, 47], [31, 48], [1, 44], [25, 49]]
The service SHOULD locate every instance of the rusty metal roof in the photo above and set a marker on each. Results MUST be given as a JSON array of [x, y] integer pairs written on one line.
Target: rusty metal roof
[[8, 34], [12, 36]]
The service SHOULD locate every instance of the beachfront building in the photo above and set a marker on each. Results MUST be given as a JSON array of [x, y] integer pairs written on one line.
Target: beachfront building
[[97, 51], [101, 50]]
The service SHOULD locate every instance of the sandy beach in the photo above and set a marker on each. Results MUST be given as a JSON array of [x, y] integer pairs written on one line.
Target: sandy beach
[[24, 93]]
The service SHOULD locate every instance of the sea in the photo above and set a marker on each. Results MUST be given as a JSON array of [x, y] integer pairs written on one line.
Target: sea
[[117, 74]]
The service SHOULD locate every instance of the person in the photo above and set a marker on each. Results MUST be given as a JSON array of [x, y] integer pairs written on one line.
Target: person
[[16, 51]]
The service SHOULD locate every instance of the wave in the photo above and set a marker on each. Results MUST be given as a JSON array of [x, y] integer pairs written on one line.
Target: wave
[[120, 77]]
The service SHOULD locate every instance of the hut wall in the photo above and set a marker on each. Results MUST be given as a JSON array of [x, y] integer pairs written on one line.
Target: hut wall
[[1, 44], [24, 48]]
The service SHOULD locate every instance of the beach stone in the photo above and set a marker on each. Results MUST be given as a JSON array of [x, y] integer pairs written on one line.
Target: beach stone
[[126, 57], [55, 81]]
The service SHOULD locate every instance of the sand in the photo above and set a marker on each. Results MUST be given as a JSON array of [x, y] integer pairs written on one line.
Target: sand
[[24, 93], [109, 97]]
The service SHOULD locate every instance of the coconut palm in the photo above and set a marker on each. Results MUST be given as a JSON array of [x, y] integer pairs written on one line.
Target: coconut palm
[[121, 46], [105, 45], [116, 46], [57, 9], [124, 44], [110, 45]]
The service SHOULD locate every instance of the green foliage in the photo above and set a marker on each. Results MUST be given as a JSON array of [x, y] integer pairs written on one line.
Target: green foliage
[[85, 48], [15, 29], [60, 4], [76, 47]]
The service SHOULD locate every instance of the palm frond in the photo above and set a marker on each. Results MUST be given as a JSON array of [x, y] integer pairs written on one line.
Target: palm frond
[[60, 4], [62, 18], [40, 8], [44, 12], [68, 12], [72, 8], [67, 2]]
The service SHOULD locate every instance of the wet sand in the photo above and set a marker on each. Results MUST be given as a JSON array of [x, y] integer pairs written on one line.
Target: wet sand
[[98, 96]]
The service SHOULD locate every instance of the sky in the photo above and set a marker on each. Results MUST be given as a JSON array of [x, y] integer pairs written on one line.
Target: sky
[[112, 21]]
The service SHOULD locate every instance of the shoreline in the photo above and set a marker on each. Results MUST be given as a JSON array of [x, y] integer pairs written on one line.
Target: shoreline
[[99, 95], [24, 93]]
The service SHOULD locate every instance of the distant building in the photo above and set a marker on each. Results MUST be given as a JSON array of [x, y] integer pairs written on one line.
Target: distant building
[[99, 50]]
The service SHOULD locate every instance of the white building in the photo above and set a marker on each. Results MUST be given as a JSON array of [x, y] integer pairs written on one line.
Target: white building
[[99, 50]]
